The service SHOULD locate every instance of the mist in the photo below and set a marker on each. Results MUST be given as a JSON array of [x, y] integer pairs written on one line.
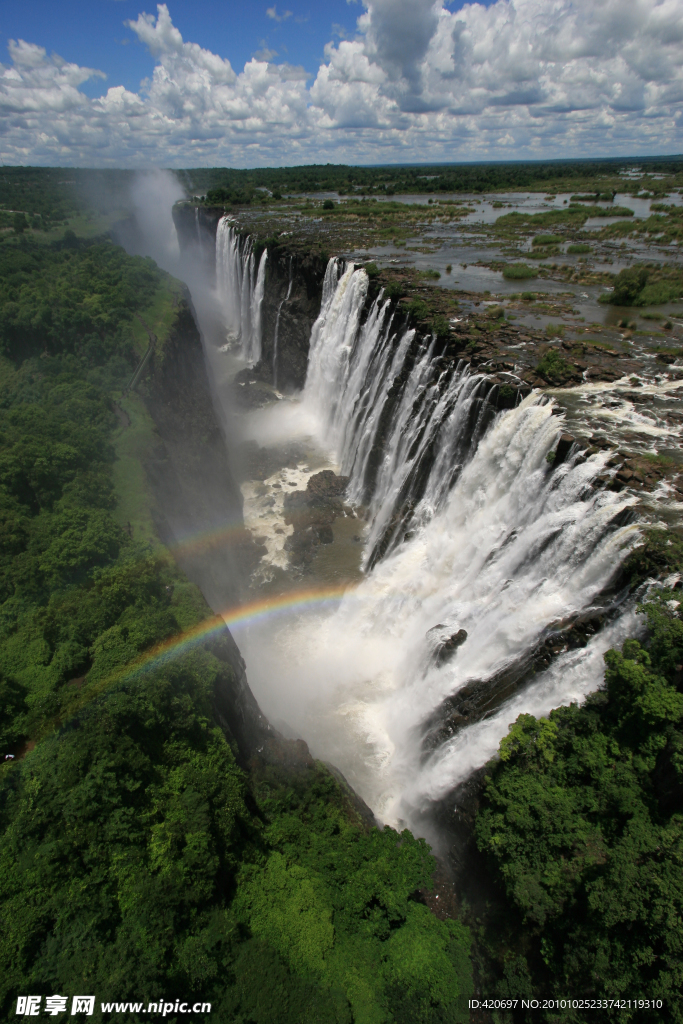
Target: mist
[[148, 229]]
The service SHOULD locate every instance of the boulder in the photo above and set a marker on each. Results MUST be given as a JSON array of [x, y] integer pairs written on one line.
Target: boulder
[[327, 484], [564, 446], [446, 644]]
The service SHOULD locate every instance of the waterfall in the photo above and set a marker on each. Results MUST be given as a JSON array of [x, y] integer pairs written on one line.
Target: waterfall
[[516, 551], [472, 534], [240, 288], [402, 451], [277, 324]]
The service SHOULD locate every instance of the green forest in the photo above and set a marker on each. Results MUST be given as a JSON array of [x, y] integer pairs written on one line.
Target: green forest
[[139, 858], [597, 177], [47, 198]]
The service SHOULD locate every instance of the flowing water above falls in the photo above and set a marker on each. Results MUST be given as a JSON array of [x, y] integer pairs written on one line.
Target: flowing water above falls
[[241, 286], [277, 325], [471, 535]]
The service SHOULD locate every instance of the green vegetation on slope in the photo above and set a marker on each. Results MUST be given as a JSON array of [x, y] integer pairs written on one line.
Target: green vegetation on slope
[[582, 820], [138, 860]]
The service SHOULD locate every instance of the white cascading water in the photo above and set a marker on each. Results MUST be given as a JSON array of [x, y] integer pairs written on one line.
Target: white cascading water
[[240, 287], [351, 370], [276, 333], [502, 546]]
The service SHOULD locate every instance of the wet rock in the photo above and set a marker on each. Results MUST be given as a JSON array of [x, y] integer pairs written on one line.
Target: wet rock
[[312, 513], [327, 484], [445, 645], [564, 446]]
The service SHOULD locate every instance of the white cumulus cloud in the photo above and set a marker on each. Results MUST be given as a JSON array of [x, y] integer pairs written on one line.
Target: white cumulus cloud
[[418, 82], [272, 13]]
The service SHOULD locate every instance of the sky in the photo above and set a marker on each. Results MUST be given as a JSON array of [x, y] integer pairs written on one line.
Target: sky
[[125, 83]]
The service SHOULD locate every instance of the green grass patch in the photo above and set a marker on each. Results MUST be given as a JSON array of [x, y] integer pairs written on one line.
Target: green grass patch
[[159, 316], [570, 215], [519, 271], [578, 248]]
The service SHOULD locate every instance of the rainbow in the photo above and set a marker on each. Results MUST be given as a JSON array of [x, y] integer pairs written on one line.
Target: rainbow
[[253, 611], [198, 543]]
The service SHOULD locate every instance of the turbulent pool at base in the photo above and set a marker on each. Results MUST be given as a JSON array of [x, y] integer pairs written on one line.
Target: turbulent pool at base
[[466, 527]]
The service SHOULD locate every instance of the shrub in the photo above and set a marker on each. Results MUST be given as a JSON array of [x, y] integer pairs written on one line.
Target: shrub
[[634, 287], [328, 205], [372, 270], [219, 196], [519, 271], [441, 326], [627, 286], [431, 275], [528, 296], [658, 292], [418, 309], [395, 290], [552, 364], [554, 330]]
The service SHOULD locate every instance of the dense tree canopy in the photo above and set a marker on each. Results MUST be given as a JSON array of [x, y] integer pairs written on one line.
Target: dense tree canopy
[[583, 820], [138, 859]]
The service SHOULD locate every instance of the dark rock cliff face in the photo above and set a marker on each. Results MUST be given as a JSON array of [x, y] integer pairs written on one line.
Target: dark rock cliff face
[[196, 497], [293, 317], [198, 508]]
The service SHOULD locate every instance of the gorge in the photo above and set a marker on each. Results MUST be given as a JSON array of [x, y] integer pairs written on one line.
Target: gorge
[[465, 571], [313, 559]]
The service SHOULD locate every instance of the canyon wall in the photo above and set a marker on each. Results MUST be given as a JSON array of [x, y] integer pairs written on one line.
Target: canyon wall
[[197, 507]]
